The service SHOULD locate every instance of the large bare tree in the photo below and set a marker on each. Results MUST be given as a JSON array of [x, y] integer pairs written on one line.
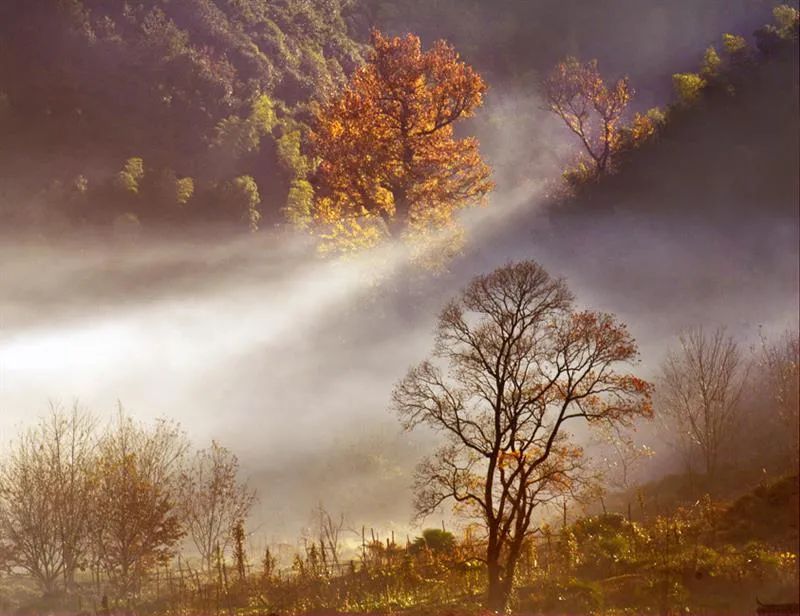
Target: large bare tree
[[699, 392], [214, 501], [514, 364]]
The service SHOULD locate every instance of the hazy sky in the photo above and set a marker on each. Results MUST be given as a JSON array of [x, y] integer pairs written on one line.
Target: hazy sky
[[290, 360]]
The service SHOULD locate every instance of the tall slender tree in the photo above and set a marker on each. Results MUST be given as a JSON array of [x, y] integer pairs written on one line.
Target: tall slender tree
[[214, 501], [699, 392]]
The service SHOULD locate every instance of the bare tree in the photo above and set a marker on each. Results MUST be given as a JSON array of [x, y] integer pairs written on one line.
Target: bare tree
[[28, 511], [70, 442], [620, 459], [699, 391], [780, 373], [135, 523], [214, 501], [589, 107], [329, 529], [46, 493], [513, 364]]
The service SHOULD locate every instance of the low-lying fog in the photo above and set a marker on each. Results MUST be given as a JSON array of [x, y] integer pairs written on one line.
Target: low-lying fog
[[289, 359]]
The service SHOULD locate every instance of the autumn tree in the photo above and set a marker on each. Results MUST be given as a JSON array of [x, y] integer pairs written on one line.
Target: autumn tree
[[699, 392], [389, 161], [515, 364], [213, 501], [135, 522], [592, 109], [45, 495]]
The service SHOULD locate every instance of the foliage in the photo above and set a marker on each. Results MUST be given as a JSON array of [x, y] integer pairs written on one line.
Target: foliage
[[389, 161], [688, 87], [45, 488], [213, 501], [200, 87], [135, 525], [240, 196], [589, 107], [434, 539], [130, 176]]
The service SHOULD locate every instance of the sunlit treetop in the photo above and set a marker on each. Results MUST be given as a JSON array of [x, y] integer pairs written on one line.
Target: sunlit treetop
[[389, 163], [590, 107]]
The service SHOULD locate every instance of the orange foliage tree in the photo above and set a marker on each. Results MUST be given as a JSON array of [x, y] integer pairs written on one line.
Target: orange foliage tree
[[592, 109], [135, 524], [389, 162], [514, 364]]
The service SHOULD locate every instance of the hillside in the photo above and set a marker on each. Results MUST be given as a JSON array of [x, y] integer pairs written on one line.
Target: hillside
[[513, 42], [192, 93], [182, 112], [579, 399]]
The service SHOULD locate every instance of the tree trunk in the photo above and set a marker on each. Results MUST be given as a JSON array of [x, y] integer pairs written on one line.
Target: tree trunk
[[501, 580], [402, 208], [497, 593]]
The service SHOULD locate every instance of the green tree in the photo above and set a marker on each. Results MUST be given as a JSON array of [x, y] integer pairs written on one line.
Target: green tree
[[688, 87], [435, 540], [240, 197]]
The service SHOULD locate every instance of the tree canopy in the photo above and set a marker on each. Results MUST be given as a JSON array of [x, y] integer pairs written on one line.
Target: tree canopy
[[389, 160]]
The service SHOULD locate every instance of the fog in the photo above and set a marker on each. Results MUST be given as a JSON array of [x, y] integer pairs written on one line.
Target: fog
[[290, 359]]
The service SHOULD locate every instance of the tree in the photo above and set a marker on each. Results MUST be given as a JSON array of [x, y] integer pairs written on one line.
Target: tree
[[70, 441], [135, 523], [46, 494], [129, 178], [235, 137], [329, 529], [240, 197], [589, 107], [780, 373], [620, 461], [214, 501], [28, 510], [688, 87], [435, 540], [699, 390], [520, 364], [388, 158]]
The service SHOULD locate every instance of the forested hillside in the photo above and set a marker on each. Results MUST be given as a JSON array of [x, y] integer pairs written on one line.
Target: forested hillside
[[514, 41], [141, 115], [585, 394], [160, 111]]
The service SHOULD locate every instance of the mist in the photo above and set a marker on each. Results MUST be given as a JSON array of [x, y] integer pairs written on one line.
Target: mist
[[290, 359]]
